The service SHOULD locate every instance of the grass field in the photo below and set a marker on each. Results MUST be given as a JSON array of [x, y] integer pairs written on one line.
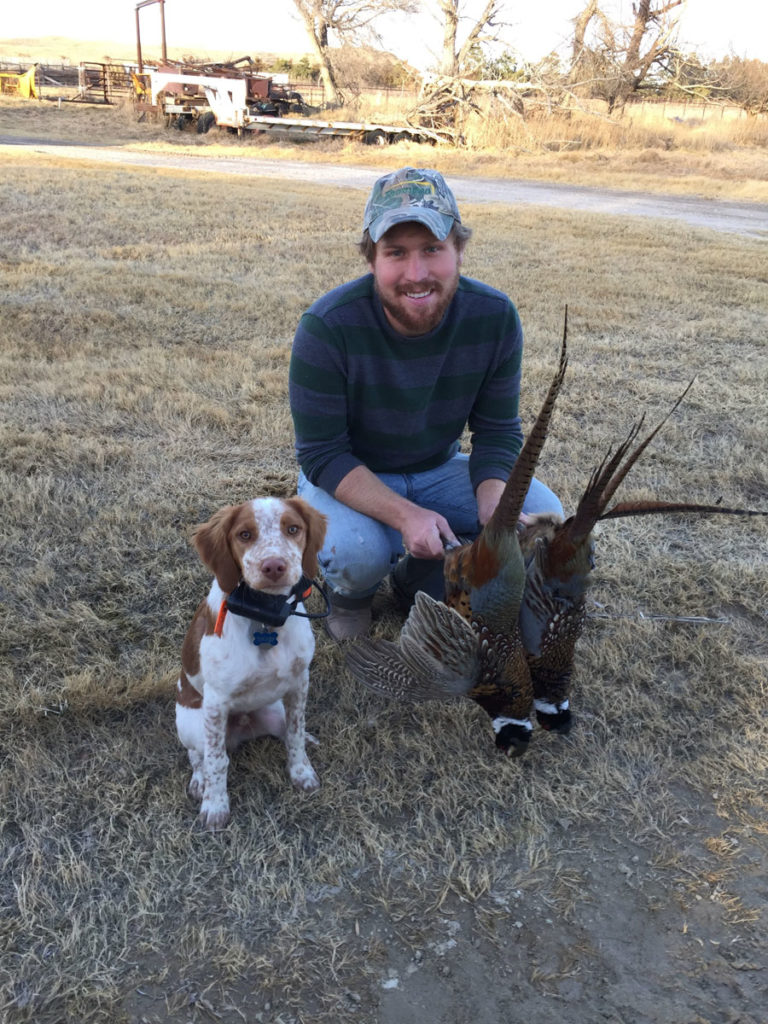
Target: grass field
[[146, 326]]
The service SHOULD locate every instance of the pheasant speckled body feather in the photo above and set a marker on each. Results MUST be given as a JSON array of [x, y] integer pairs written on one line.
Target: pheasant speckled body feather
[[471, 645]]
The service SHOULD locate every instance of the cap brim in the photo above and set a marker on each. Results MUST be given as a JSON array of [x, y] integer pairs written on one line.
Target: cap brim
[[438, 223]]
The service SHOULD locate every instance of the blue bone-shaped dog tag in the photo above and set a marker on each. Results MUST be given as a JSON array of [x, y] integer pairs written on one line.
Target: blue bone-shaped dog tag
[[265, 638]]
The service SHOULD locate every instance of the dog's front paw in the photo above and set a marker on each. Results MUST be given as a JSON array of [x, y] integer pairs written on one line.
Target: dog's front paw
[[214, 814], [304, 777]]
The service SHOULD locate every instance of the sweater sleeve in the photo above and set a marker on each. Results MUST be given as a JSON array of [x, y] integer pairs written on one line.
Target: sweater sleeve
[[494, 423], [318, 400]]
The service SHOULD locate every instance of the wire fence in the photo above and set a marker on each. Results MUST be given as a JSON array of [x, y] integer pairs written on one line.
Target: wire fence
[[686, 110]]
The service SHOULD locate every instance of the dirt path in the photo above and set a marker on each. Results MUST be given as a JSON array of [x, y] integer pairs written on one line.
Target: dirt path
[[749, 219]]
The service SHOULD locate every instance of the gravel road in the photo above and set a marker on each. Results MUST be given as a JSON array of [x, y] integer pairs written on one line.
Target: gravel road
[[749, 219]]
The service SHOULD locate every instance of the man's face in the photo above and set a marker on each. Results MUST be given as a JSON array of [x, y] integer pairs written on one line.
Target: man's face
[[416, 277]]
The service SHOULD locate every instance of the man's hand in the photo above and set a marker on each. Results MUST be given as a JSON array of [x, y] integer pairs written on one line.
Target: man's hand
[[424, 533]]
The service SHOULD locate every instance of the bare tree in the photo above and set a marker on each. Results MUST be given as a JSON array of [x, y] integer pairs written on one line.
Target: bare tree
[[620, 58], [687, 76], [734, 80], [367, 67], [743, 82], [447, 100], [349, 21], [455, 55], [581, 54], [651, 38]]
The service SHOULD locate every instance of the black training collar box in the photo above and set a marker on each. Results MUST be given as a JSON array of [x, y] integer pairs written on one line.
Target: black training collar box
[[271, 609]]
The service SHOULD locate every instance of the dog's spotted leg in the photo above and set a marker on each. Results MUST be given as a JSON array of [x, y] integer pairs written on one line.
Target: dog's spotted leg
[[197, 760], [214, 810], [300, 771]]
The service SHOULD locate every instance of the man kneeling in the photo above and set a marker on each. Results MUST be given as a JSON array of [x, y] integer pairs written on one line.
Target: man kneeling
[[386, 373]]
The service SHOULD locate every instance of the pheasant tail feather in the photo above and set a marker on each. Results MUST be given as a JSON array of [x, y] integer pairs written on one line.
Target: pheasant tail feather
[[609, 475], [507, 512], [624, 509]]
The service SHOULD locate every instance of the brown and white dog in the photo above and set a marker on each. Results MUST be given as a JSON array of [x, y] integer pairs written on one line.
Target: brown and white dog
[[234, 686]]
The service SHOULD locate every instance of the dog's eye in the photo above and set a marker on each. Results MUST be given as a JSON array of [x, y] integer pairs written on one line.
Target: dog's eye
[[244, 535], [293, 529]]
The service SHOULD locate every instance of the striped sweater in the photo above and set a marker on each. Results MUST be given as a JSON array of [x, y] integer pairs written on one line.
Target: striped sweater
[[361, 393]]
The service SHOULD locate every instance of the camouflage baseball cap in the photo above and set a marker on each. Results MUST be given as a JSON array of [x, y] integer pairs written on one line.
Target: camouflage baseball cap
[[411, 194]]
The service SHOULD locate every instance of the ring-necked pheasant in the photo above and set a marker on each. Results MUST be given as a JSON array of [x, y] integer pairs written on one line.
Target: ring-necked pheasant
[[558, 557], [471, 646]]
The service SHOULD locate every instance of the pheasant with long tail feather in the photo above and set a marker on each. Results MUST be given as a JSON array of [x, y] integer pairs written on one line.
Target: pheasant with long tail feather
[[471, 645], [558, 557]]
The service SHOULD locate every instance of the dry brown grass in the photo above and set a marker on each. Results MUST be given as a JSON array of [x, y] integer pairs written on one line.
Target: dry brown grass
[[146, 325]]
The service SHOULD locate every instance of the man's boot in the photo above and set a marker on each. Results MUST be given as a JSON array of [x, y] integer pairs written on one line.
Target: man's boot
[[412, 574], [349, 618]]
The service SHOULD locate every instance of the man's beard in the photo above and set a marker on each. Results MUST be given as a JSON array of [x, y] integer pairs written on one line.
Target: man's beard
[[414, 322]]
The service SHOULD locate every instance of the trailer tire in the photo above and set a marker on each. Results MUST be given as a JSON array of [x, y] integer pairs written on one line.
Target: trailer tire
[[402, 137], [375, 138], [205, 122], [181, 122]]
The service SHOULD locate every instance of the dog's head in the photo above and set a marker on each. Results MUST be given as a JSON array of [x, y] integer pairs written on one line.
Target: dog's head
[[268, 542]]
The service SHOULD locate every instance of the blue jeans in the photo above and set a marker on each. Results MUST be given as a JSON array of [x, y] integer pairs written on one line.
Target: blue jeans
[[360, 551]]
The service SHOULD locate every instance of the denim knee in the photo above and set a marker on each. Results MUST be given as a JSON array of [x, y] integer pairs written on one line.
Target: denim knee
[[358, 551], [355, 561], [541, 499]]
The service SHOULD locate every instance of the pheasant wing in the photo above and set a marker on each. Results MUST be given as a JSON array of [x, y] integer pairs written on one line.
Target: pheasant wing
[[436, 659]]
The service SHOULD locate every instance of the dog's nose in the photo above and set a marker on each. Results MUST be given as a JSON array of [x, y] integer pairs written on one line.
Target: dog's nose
[[273, 568]]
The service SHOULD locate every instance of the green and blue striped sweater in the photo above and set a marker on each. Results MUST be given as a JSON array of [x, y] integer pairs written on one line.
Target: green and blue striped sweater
[[362, 393]]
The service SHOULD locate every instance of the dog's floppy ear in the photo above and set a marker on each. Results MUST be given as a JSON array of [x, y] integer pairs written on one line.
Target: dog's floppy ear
[[212, 542], [315, 522]]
